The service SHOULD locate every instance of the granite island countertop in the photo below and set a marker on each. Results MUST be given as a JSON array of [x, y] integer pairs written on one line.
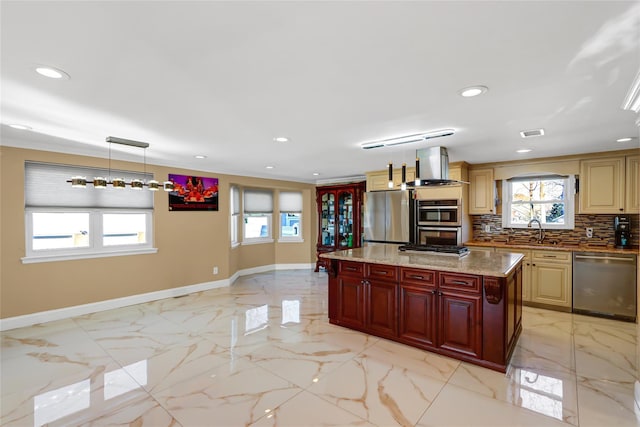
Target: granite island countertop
[[476, 262]]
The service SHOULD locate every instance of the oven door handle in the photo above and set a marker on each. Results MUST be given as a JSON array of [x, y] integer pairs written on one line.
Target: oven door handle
[[438, 228], [437, 208]]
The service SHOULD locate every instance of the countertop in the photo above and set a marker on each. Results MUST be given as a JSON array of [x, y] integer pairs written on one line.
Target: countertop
[[558, 247], [476, 262]]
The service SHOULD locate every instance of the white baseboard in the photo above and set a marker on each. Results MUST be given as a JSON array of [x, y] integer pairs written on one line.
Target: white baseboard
[[79, 310]]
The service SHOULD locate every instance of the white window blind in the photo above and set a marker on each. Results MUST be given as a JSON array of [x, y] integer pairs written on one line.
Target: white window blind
[[258, 201], [46, 186], [235, 200], [290, 201]]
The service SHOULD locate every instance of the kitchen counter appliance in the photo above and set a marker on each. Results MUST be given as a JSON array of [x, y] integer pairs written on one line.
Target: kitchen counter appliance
[[388, 216], [439, 249], [605, 285], [437, 222], [622, 229]]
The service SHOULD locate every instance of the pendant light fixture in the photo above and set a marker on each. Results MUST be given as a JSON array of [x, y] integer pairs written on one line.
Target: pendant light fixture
[[118, 182], [403, 186]]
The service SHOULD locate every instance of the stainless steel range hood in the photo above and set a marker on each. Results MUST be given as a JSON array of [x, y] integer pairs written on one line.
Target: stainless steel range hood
[[434, 168]]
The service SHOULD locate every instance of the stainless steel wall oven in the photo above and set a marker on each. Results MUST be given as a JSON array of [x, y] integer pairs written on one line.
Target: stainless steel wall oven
[[438, 213], [438, 222], [451, 236]]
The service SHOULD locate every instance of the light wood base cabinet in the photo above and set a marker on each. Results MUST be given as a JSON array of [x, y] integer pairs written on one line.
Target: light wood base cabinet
[[551, 278]]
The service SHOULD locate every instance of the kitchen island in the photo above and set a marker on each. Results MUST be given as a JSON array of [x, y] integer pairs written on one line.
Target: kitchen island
[[468, 308]]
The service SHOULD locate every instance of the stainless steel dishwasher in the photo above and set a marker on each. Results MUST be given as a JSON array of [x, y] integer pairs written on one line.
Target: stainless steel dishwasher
[[605, 284]]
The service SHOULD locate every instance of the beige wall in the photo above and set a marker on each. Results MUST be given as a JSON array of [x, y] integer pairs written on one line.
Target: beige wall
[[189, 244]]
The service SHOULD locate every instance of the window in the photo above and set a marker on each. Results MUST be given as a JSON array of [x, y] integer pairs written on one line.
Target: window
[[549, 199], [235, 215], [290, 216], [62, 222], [258, 207]]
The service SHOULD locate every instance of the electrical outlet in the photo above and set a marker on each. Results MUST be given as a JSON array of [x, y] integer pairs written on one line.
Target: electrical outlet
[[215, 270], [589, 233], [486, 228]]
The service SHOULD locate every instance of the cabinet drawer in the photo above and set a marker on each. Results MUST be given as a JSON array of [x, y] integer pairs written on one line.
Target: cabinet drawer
[[380, 271], [560, 256], [351, 268], [460, 282], [417, 276]]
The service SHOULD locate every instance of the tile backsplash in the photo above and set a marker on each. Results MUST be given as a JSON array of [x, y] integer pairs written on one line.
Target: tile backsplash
[[603, 233]]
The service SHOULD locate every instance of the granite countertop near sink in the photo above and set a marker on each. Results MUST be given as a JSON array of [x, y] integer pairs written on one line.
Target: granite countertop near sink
[[552, 247], [476, 262]]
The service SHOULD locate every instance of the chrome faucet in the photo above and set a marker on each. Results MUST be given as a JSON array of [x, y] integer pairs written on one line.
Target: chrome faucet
[[540, 230]]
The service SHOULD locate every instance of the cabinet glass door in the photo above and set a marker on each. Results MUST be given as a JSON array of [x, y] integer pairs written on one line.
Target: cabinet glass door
[[345, 220], [328, 219]]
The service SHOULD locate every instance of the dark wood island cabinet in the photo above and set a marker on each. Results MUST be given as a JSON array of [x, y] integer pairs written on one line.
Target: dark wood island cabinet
[[469, 308]]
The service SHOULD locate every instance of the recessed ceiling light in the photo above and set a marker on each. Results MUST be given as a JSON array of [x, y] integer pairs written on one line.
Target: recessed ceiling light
[[531, 133], [21, 127], [200, 156], [269, 167], [52, 73], [471, 91], [281, 139], [316, 174], [624, 139], [523, 150]]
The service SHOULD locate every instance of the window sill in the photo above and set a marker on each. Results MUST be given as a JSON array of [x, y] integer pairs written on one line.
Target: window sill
[[70, 257], [257, 241], [290, 240], [235, 245], [534, 228]]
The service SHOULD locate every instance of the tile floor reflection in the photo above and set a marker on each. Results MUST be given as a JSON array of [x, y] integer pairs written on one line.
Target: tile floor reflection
[[263, 353]]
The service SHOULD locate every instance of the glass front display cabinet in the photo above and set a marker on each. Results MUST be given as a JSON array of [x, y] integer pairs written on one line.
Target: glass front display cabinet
[[340, 218]]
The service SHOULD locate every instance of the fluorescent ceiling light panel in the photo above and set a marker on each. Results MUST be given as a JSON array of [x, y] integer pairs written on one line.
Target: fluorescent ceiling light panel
[[406, 139], [632, 100]]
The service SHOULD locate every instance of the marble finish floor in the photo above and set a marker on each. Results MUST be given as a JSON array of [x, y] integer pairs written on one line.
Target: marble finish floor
[[262, 352]]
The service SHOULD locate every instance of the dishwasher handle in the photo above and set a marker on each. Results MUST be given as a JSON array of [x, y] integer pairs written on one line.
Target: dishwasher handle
[[609, 258]]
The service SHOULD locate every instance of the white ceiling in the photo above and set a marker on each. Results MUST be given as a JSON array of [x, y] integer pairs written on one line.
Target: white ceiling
[[223, 79]]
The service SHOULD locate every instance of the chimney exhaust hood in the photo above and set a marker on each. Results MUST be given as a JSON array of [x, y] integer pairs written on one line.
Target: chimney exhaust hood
[[433, 165]]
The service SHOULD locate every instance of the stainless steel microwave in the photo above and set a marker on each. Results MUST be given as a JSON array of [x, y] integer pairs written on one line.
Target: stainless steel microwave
[[438, 213]]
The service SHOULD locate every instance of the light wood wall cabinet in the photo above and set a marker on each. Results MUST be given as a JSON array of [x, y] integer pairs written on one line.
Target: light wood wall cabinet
[[604, 183], [482, 192], [551, 274], [379, 180], [632, 168]]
